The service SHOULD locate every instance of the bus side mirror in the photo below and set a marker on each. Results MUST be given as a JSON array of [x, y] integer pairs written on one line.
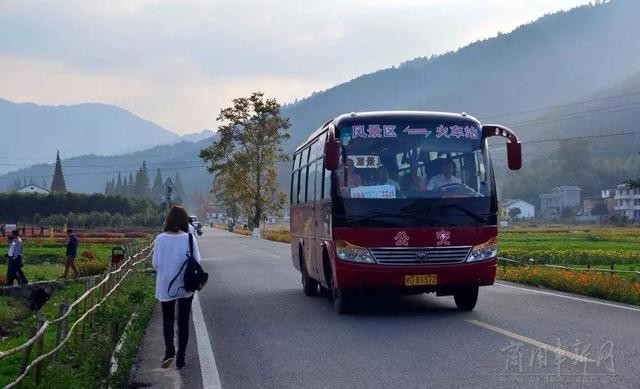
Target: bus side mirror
[[332, 155], [514, 155], [514, 147]]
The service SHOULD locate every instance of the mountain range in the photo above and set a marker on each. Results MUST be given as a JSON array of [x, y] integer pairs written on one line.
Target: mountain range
[[572, 73]]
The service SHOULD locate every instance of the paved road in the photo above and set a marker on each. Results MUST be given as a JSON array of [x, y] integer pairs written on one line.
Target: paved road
[[265, 333]]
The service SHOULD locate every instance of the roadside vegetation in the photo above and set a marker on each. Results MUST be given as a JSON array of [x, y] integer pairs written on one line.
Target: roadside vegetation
[[44, 258], [84, 361], [605, 286]]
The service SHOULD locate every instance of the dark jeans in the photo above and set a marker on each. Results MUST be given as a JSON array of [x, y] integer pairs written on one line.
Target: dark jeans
[[168, 320], [14, 272]]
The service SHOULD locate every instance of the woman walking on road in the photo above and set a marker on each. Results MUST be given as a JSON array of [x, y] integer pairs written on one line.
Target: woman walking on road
[[169, 254]]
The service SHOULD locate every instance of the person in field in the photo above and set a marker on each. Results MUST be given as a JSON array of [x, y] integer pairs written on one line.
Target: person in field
[[72, 253], [15, 260], [169, 254]]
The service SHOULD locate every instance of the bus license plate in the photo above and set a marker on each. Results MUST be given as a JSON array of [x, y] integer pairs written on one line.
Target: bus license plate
[[420, 279]]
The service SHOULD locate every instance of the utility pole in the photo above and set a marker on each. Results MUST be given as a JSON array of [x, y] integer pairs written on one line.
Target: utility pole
[[170, 187]]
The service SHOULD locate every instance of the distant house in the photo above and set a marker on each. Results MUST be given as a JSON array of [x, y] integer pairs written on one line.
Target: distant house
[[33, 189], [561, 197], [627, 201], [527, 211], [609, 198]]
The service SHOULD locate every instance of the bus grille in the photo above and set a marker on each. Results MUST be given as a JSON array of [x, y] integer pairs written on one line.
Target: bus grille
[[417, 255]]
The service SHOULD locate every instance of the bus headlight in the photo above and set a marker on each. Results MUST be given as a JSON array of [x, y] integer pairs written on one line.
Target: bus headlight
[[352, 253], [484, 251]]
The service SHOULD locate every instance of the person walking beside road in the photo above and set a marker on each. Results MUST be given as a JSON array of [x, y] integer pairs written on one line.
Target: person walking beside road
[[72, 252], [169, 254], [15, 260]]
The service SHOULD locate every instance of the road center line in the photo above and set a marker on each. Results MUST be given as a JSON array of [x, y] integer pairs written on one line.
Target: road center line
[[533, 342], [208, 367], [569, 297]]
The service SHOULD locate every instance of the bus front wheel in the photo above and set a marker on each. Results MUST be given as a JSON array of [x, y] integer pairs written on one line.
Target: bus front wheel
[[342, 300], [466, 299]]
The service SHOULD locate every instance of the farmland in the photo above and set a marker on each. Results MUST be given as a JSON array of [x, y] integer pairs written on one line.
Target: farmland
[[44, 258]]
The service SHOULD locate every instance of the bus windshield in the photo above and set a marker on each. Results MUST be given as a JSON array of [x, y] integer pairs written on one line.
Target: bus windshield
[[412, 160]]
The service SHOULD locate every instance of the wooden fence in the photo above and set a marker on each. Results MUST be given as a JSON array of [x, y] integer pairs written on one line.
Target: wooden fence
[[83, 310]]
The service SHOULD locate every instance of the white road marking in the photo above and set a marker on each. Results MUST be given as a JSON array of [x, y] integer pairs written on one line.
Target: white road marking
[[276, 256], [569, 297], [208, 367], [533, 342]]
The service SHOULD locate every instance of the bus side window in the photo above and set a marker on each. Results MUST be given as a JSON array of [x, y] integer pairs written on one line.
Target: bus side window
[[292, 193], [326, 184], [303, 184], [311, 188], [297, 186]]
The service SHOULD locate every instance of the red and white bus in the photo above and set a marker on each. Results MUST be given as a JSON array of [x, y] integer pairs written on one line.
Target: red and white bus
[[397, 201]]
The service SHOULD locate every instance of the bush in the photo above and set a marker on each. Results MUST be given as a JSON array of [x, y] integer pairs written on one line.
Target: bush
[[90, 267], [88, 254], [278, 235]]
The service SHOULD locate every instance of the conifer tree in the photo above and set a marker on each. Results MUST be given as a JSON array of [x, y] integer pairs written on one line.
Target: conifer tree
[[158, 189], [141, 187], [58, 184], [119, 188], [180, 195]]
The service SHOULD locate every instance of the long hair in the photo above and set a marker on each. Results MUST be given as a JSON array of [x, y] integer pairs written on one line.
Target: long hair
[[177, 220]]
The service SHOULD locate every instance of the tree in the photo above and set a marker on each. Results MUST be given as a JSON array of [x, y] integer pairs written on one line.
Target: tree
[[227, 189], [141, 188], [514, 212], [179, 193], [251, 134], [119, 188], [158, 189], [58, 184], [130, 187]]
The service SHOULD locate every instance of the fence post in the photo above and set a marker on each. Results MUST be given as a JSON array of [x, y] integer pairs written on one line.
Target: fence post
[[27, 352], [61, 311], [77, 316], [65, 321], [612, 270], [638, 276], [40, 347]]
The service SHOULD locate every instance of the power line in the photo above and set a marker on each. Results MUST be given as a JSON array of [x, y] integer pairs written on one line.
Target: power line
[[547, 108]]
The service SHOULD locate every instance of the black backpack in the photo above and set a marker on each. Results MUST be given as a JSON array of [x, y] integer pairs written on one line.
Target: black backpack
[[194, 277]]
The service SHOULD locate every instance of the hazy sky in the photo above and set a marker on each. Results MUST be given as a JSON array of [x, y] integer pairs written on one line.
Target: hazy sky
[[177, 62]]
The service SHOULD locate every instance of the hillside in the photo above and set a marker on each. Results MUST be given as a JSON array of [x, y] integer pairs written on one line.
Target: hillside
[[581, 61], [89, 173], [38, 130], [557, 59]]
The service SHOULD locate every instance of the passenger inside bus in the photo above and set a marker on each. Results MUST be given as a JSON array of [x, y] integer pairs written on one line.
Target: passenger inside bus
[[446, 176], [382, 177], [353, 179]]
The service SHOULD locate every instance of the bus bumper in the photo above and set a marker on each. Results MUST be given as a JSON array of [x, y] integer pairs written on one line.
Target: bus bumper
[[447, 277]]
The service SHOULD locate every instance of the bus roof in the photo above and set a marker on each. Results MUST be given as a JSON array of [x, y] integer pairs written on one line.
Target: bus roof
[[391, 116]]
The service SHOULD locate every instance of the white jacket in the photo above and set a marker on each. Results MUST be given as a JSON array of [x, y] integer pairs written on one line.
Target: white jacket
[[169, 254]]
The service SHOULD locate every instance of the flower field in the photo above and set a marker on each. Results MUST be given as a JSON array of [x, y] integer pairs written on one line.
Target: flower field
[[605, 286]]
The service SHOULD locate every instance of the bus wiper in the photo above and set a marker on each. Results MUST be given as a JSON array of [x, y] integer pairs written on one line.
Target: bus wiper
[[371, 214], [467, 212]]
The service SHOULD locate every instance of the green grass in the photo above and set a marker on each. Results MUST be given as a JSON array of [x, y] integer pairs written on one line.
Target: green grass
[[55, 252], [84, 363], [12, 311], [42, 272]]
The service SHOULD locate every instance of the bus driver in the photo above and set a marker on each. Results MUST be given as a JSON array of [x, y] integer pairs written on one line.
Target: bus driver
[[445, 177]]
